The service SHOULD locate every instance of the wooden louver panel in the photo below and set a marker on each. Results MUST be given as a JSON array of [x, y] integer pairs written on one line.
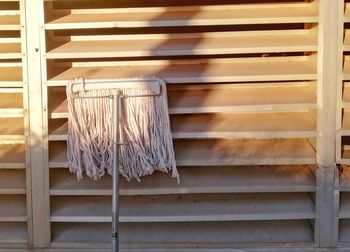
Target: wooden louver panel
[[15, 226], [343, 133], [242, 81]]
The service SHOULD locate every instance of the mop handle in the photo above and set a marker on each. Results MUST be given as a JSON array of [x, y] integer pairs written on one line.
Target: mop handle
[[116, 110]]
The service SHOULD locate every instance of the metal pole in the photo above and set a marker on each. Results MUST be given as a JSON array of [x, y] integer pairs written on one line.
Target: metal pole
[[115, 191]]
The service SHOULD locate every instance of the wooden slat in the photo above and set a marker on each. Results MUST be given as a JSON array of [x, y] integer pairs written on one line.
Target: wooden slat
[[244, 152], [10, 51], [193, 71], [12, 181], [11, 105], [345, 179], [10, 75], [224, 152], [9, 23], [227, 126], [194, 233], [181, 208], [12, 156], [13, 208], [344, 232], [11, 130], [183, 16], [346, 69], [344, 211], [347, 13], [186, 44], [193, 180], [346, 95], [345, 131], [13, 232], [246, 99]]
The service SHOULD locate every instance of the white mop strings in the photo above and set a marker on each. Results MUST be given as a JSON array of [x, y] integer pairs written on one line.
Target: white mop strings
[[144, 128]]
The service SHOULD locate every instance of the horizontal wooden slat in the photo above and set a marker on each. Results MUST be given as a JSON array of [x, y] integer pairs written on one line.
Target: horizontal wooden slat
[[344, 212], [186, 44], [262, 125], [190, 233], [10, 75], [347, 13], [345, 131], [9, 23], [181, 208], [224, 152], [227, 126], [11, 105], [13, 208], [13, 232], [344, 232], [247, 98], [10, 51], [12, 156], [345, 179], [346, 68], [346, 95], [255, 98], [193, 71], [183, 16], [11, 130], [12, 181], [193, 180], [244, 152]]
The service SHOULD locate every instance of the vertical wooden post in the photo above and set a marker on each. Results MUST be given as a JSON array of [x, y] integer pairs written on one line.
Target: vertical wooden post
[[41, 237], [329, 68], [26, 120]]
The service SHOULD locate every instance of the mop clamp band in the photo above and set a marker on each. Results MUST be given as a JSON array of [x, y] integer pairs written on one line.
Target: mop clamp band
[[150, 84]]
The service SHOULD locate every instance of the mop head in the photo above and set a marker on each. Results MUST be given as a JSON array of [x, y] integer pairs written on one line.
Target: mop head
[[144, 129]]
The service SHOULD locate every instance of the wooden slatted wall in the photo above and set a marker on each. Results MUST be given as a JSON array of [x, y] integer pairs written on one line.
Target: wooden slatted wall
[[343, 136], [242, 80], [15, 226], [247, 87]]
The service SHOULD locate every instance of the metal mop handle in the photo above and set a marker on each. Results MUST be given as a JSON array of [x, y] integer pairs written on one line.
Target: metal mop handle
[[116, 110]]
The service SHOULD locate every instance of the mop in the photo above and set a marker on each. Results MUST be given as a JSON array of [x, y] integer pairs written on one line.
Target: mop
[[123, 124]]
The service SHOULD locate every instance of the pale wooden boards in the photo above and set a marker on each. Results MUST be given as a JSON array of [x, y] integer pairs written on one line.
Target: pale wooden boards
[[11, 105], [194, 233], [193, 180], [347, 12], [344, 211], [213, 116], [227, 126], [345, 179], [344, 232], [11, 130], [346, 95], [182, 208], [247, 98], [13, 208], [224, 152], [13, 232], [192, 71], [12, 181], [185, 44], [9, 23], [10, 50], [183, 16], [12, 156], [10, 75]]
